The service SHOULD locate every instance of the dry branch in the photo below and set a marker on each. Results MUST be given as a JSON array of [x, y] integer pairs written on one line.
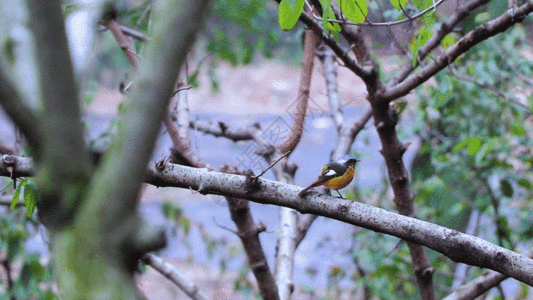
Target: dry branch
[[123, 42], [221, 129], [170, 272]]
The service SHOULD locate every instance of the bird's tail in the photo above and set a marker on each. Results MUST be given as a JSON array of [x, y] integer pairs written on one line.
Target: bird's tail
[[314, 184]]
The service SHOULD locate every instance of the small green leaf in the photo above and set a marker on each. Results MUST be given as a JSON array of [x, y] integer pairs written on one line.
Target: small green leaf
[[328, 14], [507, 188], [289, 12], [16, 195], [472, 144], [31, 195], [398, 4], [418, 41], [447, 41], [422, 4], [518, 130], [355, 10], [482, 17], [524, 183], [185, 223]]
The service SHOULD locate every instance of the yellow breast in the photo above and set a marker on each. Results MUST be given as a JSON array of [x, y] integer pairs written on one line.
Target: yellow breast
[[340, 182]]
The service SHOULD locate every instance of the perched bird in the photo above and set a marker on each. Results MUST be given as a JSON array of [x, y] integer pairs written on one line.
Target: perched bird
[[336, 175]]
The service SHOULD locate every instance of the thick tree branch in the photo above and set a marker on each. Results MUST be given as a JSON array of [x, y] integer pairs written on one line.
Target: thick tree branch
[[472, 38], [173, 275], [103, 252], [63, 160], [480, 285], [21, 114], [248, 232], [457, 246]]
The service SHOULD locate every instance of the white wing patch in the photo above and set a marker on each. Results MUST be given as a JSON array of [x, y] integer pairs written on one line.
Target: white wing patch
[[330, 172]]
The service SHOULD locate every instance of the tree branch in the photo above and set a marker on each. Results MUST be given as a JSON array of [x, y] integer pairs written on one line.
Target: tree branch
[[480, 285], [104, 252], [295, 134], [122, 41], [472, 38], [457, 246], [248, 232], [63, 160], [21, 114], [349, 62], [173, 275], [221, 129], [462, 12]]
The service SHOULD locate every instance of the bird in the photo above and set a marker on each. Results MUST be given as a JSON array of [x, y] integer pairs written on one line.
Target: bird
[[337, 174]]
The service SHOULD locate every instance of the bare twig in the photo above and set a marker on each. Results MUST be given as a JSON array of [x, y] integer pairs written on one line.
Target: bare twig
[[221, 129], [327, 57], [500, 232], [368, 23], [133, 33], [123, 42], [271, 165], [342, 53], [303, 227], [170, 272]]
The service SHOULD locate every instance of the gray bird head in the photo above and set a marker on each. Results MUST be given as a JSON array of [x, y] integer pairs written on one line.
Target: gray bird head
[[348, 160]]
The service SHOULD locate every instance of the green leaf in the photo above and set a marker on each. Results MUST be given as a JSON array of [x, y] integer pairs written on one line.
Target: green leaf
[[472, 143], [31, 195], [16, 195], [482, 17], [418, 41], [289, 13], [507, 188], [328, 14], [355, 10], [518, 130], [447, 41], [421, 4], [398, 4], [524, 183]]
